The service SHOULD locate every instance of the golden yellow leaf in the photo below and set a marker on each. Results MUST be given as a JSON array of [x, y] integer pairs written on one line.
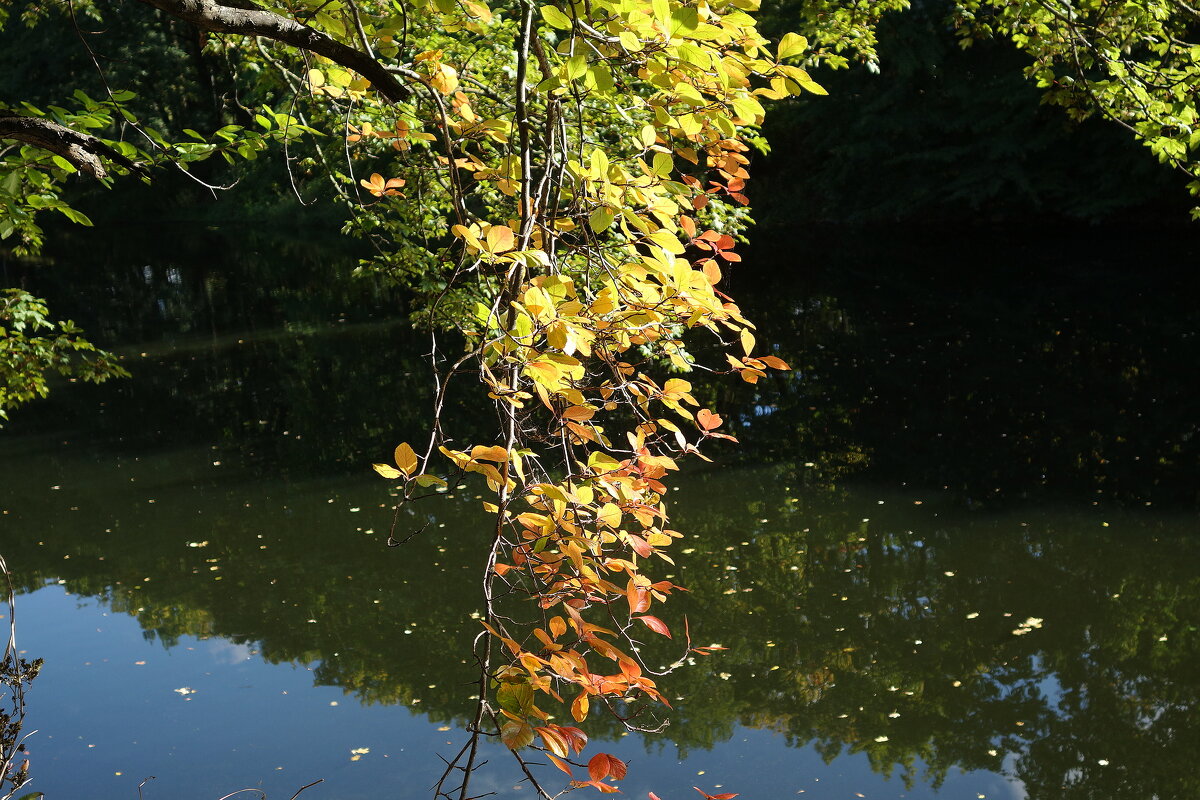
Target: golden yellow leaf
[[391, 473], [406, 459]]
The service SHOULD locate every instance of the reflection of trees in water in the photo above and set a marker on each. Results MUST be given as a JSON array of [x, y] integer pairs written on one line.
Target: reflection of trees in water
[[839, 635], [1001, 366], [1023, 367], [871, 625]]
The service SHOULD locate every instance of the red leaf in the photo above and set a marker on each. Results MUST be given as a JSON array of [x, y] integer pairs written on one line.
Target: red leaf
[[655, 624], [602, 765], [598, 766]]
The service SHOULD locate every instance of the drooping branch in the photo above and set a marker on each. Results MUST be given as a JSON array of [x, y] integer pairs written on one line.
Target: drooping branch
[[82, 150], [216, 18]]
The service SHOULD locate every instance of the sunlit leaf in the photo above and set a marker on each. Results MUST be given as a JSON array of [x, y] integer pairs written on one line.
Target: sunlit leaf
[[405, 458], [555, 18], [655, 624], [391, 473], [500, 239], [792, 44]]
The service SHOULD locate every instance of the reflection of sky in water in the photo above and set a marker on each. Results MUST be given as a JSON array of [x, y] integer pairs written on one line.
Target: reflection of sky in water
[[206, 717]]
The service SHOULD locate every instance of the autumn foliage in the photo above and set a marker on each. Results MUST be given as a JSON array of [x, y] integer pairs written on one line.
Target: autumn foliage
[[609, 179]]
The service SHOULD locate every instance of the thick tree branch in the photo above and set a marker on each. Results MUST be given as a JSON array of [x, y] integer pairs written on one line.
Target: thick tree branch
[[82, 150], [211, 16]]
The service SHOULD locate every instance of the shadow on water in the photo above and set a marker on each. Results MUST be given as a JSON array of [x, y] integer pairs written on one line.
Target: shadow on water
[[995, 608]]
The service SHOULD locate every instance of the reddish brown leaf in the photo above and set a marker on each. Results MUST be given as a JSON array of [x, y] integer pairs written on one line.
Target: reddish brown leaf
[[640, 546], [598, 766], [725, 796], [655, 624], [574, 736]]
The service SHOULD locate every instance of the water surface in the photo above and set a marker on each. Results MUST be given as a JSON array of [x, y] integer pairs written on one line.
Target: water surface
[[937, 570]]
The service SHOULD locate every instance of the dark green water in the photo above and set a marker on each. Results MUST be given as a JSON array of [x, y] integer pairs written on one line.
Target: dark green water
[[957, 548]]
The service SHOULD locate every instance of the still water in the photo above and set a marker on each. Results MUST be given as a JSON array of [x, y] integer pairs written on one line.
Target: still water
[[956, 557]]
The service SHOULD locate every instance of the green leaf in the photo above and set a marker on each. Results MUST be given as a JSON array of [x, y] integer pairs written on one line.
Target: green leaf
[[792, 44], [663, 165], [78, 217], [601, 219], [425, 481], [63, 164], [555, 18]]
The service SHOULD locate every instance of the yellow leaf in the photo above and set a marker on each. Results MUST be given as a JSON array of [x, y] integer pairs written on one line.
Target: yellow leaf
[[610, 515], [391, 473], [406, 459], [500, 239], [445, 79], [747, 340], [494, 453], [579, 708]]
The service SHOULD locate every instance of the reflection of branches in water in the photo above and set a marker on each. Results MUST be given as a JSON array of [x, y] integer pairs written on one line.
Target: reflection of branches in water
[[15, 674], [261, 794]]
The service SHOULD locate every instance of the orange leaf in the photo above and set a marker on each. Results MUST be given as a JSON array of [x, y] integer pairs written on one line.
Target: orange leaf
[[574, 736], [773, 362], [555, 742], [558, 762], [578, 413], [708, 420], [639, 598], [655, 624]]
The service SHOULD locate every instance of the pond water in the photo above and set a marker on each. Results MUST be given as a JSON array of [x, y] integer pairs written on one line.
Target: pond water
[[957, 555]]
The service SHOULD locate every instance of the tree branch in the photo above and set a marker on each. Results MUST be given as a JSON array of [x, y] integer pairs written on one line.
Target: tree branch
[[82, 150], [211, 16]]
